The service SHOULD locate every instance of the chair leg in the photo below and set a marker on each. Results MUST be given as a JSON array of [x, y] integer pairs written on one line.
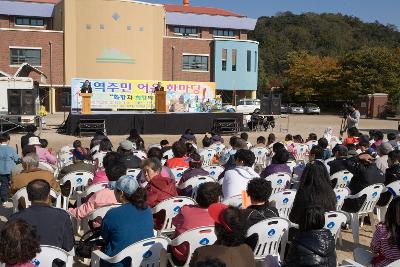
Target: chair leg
[[380, 213], [340, 238], [372, 219], [355, 227]]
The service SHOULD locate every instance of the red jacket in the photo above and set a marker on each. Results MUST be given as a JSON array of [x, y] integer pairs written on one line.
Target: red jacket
[[159, 189]]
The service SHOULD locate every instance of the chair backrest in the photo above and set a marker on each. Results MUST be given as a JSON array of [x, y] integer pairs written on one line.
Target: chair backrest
[[334, 221], [78, 179], [270, 234], [291, 164], [178, 172], [219, 148], [261, 155], [145, 253], [235, 201], [168, 154], [65, 159], [214, 171], [394, 188], [300, 152], [197, 237], [94, 188], [373, 192], [133, 172], [46, 166], [341, 194], [279, 181], [343, 178], [207, 156], [329, 160], [172, 206], [140, 154], [49, 253], [22, 193], [101, 212], [311, 143], [195, 182], [283, 202]]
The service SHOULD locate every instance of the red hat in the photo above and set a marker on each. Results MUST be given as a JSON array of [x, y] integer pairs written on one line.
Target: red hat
[[216, 211]]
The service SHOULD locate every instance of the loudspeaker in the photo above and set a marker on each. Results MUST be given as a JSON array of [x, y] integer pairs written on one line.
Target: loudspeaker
[[271, 104], [21, 102]]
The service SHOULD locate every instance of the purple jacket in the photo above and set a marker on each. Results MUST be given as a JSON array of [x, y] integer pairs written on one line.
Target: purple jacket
[[189, 173], [274, 168]]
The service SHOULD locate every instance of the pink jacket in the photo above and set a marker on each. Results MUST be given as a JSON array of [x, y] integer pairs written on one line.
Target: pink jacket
[[28, 264], [99, 199], [100, 177], [45, 155]]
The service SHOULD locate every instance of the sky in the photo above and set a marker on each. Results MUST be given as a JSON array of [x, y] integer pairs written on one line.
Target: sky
[[384, 11]]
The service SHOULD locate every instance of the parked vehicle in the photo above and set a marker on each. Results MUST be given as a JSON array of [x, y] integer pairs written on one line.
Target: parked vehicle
[[284, 108], [245, 106], [311, 109], [296, 109]]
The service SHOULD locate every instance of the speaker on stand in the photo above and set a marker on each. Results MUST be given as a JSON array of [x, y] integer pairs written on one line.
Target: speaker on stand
[[271, 104]]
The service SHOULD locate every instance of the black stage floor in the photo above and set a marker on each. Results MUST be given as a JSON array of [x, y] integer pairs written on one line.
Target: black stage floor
[[120, 123]]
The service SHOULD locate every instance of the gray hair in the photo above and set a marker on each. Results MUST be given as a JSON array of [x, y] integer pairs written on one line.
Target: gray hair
[[31, 159], [153, 163]]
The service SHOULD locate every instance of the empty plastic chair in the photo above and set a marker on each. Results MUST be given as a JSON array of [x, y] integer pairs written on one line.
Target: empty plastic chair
[[333, 222], [279, 181], [283, 202], [49, 253], [207, 155], [343, 178], [341, 194]]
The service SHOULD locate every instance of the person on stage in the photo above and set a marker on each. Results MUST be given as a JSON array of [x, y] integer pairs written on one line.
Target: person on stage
[[86, 88], [159, 87]]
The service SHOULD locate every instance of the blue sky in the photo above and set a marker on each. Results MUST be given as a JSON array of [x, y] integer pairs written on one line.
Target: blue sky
[[384, 11]]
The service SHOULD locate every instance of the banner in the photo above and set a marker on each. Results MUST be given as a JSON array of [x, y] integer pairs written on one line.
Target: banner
[[139, 94]]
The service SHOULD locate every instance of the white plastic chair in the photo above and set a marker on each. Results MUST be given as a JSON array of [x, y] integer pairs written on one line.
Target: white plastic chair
[[301, 152], [394, 189], [133, 172], [145, 253], [341, 194], [197, 237], [271, 233], [140, 154], [352, 263], [373, 193], [46, 166], [99, 212], [171, 206], [235, 201], [214, 171], [279, 181], [49, 253], [65, 159], [283, 202], [195, 182], [178, 172], [22, 193], [89, 190], [79, 181], [261, 156], [291, 164], [333, 222], [329, 160], [218, 147], [311, 143], [207, 155], [343, 178]]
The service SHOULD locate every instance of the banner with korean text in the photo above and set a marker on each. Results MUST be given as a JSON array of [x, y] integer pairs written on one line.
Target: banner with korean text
[[140, 94]]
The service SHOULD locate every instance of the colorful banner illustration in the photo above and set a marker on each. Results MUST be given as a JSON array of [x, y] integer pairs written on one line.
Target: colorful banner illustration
[[140, 95]]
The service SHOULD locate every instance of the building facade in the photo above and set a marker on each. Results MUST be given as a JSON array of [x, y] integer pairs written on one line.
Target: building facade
[[125, 39]]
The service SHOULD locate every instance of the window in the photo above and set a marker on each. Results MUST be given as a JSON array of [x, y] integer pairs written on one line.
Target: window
[[224, 55], [24, 55], [234, 55], [27, 21], [255, 61], [194, 62], [248, 60], [224, 32], [186, 30]]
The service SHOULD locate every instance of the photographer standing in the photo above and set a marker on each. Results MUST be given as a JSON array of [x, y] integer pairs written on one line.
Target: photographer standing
[[353, 118]]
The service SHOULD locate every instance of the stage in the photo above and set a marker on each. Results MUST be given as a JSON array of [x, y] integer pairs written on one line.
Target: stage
[[120, 123]]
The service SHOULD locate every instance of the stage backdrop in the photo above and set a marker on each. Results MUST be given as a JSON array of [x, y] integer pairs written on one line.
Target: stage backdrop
[[139, 94]]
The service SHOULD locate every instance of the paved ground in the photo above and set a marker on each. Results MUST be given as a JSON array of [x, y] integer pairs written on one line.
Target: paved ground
[[297, 124]]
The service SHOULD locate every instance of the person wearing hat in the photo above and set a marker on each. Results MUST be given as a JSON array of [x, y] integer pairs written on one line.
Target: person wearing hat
[[131, 161], [43, 153], [382, 161], [230, 247], [129, 223], [339, 163]]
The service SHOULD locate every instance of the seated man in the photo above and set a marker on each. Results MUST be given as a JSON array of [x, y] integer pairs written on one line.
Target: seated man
[[193, 216], [126, 150], [339, 163], [53, 226], [259, 190], [78, 165], [31, 172]]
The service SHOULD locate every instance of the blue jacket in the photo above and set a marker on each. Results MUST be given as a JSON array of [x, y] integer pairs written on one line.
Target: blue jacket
[[8, 159], [123, 226]]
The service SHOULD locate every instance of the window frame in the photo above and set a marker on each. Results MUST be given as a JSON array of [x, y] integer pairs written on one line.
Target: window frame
[[13, 64], [220, 33], [30, 21], [185, 28], [196, 56], [249, 56]]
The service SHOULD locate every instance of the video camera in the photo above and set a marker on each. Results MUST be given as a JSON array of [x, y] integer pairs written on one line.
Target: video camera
[[346, 110]]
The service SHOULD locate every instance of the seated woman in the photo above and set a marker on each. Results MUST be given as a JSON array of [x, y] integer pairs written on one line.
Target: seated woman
[[313, 245], [105, 147], [129, 223], [195, 169], [179, 159], [230, 229], [19, 244], [193, 216], [278, 164]]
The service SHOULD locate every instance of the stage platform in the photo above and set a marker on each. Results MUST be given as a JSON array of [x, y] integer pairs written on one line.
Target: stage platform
[[120, 123]]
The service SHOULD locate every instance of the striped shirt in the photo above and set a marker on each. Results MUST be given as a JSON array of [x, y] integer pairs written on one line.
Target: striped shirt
[[381, 246]]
